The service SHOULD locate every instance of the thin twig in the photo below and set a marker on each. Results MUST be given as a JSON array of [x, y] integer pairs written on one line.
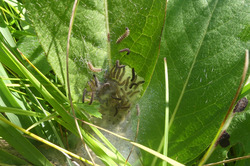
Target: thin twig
[[229, 160]]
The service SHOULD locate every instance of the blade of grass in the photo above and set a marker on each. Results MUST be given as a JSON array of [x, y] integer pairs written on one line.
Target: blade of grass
[[5, 32], [21, 144], [19, 111], [245, 91], [165, 149], [44, 141], [48, 117], [48, 84], [55, 133], [10, 159], [157, 154]]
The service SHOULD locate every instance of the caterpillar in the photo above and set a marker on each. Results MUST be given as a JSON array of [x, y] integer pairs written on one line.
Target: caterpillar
[[92, 90], [126, 85], [92, 98], [138, 109], [118, 64], [224, 139], [83, 95], [96, 81], [134, 77], [123, 73], [108, 36], [125, 49], [241, 105], [136, 84], [117, 92], [92, 68], [123, 36]]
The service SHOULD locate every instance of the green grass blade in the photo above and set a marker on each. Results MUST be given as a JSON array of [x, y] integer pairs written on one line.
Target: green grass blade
[[18, 111], [5, 32], [7, 158], [22, 145], [165, 149]]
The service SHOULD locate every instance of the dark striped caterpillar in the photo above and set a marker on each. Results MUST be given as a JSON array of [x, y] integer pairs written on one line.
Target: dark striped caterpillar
[[125, 50], [123, 36], [117, 92]]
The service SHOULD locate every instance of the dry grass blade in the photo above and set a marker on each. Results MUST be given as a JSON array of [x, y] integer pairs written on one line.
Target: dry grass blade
[[229, 161]]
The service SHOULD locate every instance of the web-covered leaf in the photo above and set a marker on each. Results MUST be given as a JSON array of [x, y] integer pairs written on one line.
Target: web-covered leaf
[[94, 22], [88, 41]]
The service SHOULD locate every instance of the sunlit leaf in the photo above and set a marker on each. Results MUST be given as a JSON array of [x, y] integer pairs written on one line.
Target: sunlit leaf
[[205, 58], [88, 41]]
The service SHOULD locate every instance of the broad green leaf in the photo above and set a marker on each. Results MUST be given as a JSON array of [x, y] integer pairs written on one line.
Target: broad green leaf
[[145, 21], [89, 37], [152, 107], [204, 42], [51, 97], [93, 23], [88, 41], [205, 59]]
